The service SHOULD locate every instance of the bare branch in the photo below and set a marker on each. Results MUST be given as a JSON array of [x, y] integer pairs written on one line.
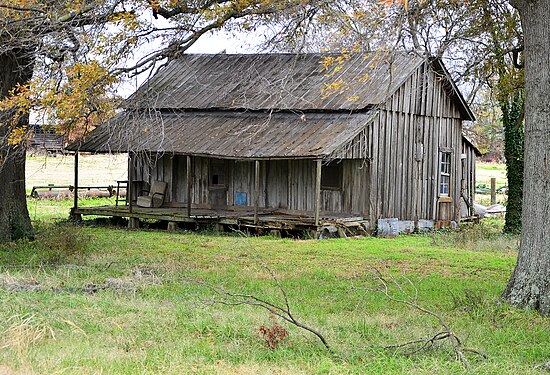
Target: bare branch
[[224, 297], [415, 346]]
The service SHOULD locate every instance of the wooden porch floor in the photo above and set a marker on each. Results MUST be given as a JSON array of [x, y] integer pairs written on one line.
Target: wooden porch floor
[[267, 219]]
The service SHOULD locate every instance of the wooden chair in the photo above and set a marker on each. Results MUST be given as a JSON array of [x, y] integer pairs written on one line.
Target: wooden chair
[[155, 195]]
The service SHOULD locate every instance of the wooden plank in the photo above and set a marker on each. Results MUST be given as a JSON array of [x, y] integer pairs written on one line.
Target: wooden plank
[[424, 84], [386, 168], [414, 92], [289, 185], [429, 92], [373, 175], [393, 169], [189, 185], [400, 170], [406, 96], [435, 167], [425, 162], [318, 190], [409, 165], [168, 169], [382, 164]]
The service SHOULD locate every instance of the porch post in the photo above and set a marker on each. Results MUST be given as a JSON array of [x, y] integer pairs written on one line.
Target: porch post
[[318, 191], [75, 191], [256, 190], [130, 187], [189, 183]]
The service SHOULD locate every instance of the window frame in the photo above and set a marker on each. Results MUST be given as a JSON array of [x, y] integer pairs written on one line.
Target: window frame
[[217, 165], [337, 167], [445, 164]]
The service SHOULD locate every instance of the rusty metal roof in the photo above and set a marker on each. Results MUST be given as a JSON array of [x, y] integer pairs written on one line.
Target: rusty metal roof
[[227, 134], [275, 81]]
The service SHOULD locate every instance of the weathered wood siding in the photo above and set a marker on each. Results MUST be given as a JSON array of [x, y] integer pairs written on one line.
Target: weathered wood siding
[[418, 122], [284, 184]]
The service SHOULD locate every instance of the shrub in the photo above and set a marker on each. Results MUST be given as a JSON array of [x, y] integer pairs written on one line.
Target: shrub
[[62, 243]]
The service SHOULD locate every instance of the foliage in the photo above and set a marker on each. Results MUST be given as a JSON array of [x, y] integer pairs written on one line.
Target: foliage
[[487, 130], [512, 110]]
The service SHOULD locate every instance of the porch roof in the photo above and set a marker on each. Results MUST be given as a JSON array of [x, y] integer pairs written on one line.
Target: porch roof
[[255, 135]]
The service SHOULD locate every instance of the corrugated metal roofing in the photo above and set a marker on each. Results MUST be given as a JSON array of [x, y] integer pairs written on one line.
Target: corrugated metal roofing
[[227, 134], [275, 81]]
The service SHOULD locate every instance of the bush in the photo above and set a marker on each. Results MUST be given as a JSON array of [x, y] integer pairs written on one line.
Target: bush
[[62, 243]]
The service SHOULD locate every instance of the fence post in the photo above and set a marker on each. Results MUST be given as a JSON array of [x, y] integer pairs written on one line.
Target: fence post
[[493, 190]]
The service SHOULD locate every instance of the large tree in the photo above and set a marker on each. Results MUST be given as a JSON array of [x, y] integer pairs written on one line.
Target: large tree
[[61, 58], [529, 285]]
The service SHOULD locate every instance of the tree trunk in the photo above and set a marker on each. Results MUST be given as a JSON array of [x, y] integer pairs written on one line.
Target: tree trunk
[[16, 67], [529, 285], [513, 151]]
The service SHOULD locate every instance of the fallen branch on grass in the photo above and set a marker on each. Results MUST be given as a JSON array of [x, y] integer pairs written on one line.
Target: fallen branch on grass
[[411, 300], [224, 297]]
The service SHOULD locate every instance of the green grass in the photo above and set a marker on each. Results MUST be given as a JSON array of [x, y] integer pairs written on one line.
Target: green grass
[[159, 322], [492, 167]]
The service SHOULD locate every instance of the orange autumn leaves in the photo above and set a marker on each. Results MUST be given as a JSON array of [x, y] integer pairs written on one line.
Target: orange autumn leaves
[[74, 105]]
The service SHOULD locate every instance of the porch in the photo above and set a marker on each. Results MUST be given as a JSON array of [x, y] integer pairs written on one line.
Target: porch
[[275, 221]]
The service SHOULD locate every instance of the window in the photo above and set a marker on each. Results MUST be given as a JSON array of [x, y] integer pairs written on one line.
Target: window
[[217, 172], [445, 173], [331, 176]]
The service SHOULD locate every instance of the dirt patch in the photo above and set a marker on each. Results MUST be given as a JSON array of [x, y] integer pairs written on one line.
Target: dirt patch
[[140, 277], [90, 288], [7, 371]]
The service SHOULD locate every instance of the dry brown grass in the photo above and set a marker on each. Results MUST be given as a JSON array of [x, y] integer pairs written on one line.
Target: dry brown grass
[[93, 170], [22, 332]]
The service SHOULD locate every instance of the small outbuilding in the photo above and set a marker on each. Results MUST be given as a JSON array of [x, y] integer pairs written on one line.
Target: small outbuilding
[[287, 141]]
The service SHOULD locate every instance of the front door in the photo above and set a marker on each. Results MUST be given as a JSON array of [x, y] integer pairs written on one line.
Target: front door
[[217, 184]]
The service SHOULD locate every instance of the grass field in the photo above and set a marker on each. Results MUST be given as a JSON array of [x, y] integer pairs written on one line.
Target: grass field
[[106, 300], [94, 299], [486, 171], [93, 170]]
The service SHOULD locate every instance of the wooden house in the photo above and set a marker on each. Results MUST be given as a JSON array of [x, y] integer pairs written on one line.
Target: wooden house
[[44, 139], [296, 141]]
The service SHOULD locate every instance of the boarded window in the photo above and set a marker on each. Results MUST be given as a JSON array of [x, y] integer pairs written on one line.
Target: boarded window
[[240, 198], [331, 176], [445, 173], [217, 172]]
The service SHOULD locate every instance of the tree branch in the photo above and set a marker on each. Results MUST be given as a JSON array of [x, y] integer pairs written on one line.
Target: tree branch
[[411, 301], [236, 299]]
